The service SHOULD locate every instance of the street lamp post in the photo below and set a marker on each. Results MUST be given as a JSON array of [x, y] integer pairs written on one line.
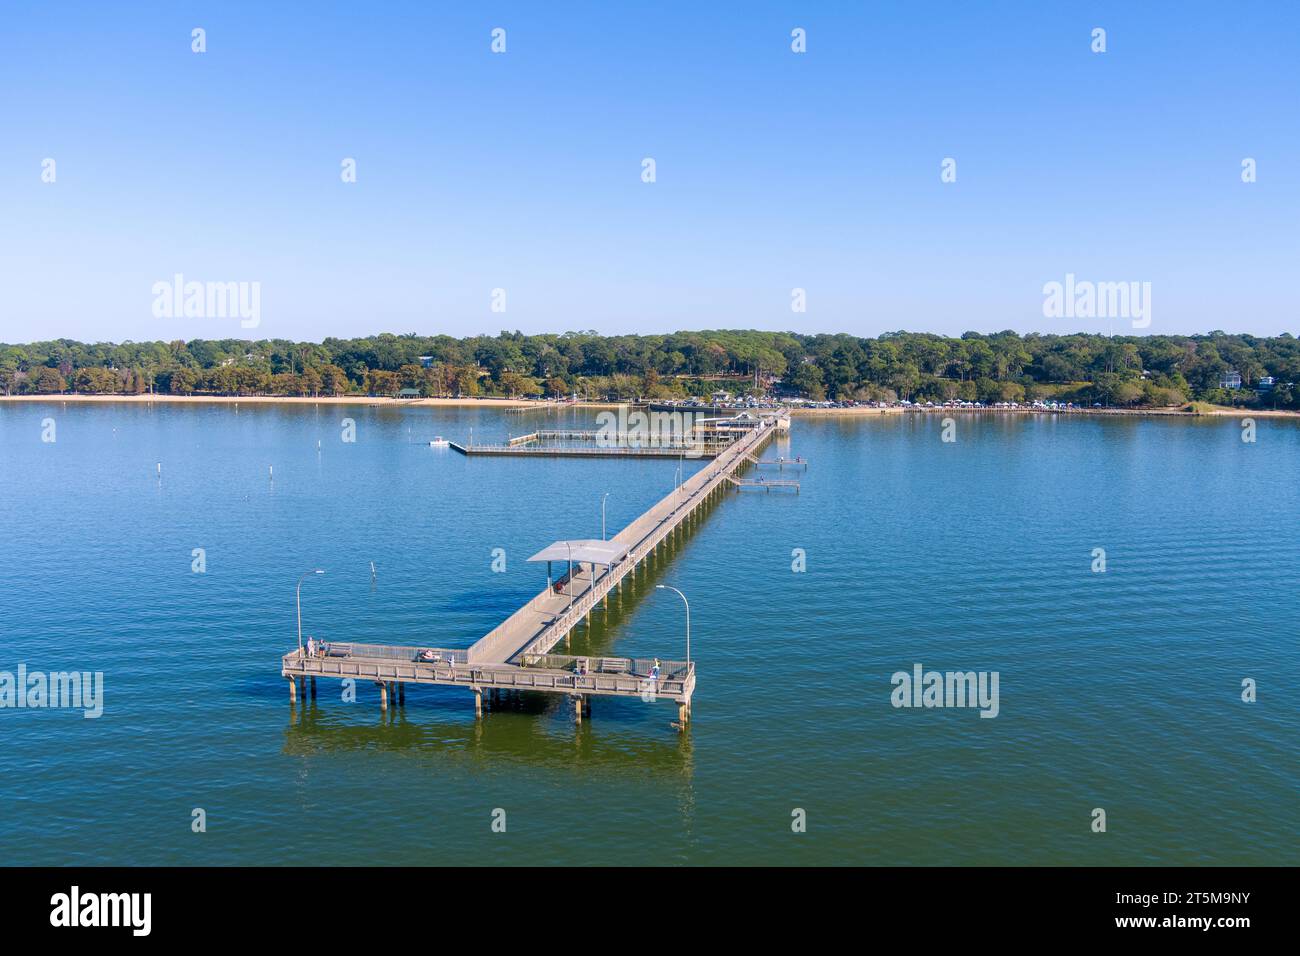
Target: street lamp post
[[569, 547], [306, 574], [602, 515], [668, 587]]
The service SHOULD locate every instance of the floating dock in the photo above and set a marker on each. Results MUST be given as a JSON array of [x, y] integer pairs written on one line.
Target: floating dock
[[515, 656]]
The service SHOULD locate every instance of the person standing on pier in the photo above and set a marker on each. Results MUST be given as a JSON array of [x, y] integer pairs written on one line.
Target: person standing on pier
[[311, 646]]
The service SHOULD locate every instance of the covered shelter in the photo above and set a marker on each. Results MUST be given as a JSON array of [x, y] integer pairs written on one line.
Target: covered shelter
[[583, 551]]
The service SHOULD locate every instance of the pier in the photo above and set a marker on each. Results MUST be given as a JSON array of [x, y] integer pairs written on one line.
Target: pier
[[765, 484], [587, 451], [516, 655], [540, 406], [781, 463], [594, 443]]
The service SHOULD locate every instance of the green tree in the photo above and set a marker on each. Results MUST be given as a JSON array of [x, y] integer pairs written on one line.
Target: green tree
[[47, 381]]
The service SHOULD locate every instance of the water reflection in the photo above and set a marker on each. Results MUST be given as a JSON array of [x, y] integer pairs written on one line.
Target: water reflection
[[537, 731]]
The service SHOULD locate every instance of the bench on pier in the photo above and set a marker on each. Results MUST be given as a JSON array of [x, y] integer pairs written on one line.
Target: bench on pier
[[589, 665], [337, 650]]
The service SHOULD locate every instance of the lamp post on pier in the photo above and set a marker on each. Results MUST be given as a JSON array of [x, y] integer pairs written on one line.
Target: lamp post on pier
[[306, 574], [668, 587], [602, 515], [569, 547]]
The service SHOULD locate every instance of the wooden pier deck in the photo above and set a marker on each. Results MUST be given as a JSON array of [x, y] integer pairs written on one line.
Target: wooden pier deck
[[588, 451], [393, 667], [515, 655], [541, 623], [765, 484], [597, 443], [781, 463]]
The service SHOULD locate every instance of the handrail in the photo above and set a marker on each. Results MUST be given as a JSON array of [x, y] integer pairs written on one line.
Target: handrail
[[675, 679], [630, 666], [665, 451], [395, 652]]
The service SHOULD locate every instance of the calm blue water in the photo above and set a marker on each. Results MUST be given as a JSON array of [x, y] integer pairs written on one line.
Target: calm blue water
[[1119, 690]]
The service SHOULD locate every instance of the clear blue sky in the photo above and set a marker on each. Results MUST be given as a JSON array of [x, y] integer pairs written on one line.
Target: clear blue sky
[[522, 171]]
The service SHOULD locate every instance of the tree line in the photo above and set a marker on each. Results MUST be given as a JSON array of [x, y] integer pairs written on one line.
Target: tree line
[[1157, 370]]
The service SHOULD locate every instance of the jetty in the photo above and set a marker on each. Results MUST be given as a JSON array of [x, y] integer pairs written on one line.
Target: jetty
[[765, 484], [781, 463], [516, 656], [596, 443], [540, 406]]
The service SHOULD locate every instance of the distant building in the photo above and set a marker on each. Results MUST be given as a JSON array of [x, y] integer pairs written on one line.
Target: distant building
[[409, 393], [1230, 380], [426, 361], [721, 396], [1266, 384]]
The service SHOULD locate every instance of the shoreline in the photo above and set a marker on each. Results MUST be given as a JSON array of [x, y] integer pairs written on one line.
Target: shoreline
[[517, 403], [1120, 412], [277, 400]]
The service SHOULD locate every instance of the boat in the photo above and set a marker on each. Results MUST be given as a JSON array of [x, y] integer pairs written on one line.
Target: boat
[[439, 442]]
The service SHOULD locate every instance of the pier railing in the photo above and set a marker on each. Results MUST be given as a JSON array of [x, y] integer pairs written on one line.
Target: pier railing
[[343, 650], [676, 681], [631, 666], [632, 439], [692, 452]]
